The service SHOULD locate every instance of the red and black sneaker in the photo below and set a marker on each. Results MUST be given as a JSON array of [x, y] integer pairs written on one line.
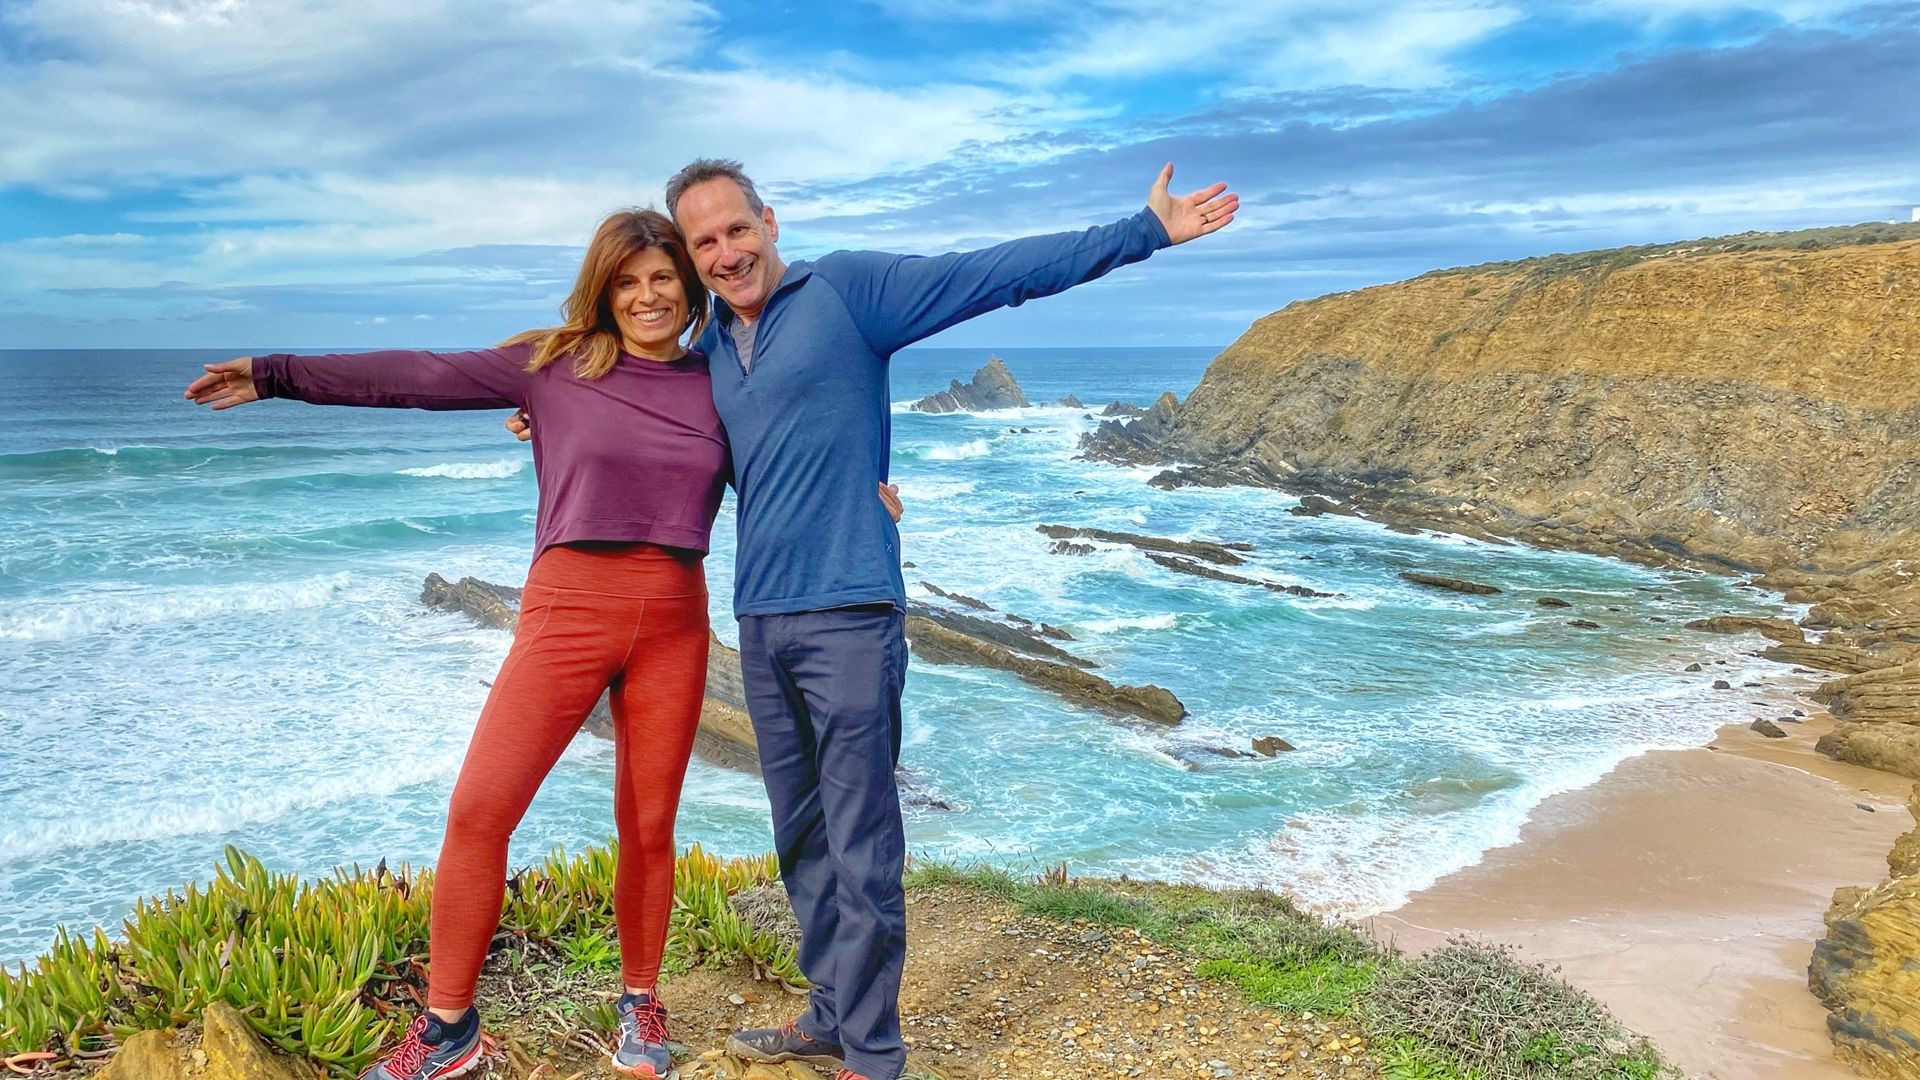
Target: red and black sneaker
[[430, 1052]]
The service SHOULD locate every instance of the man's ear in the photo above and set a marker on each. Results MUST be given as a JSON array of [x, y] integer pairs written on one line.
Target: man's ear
[[773, 227]]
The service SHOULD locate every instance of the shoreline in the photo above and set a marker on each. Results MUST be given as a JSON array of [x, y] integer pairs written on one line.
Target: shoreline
[[1685, 890]]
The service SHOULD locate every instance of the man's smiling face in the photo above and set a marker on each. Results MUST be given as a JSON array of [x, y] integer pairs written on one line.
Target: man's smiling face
[[732, 247]]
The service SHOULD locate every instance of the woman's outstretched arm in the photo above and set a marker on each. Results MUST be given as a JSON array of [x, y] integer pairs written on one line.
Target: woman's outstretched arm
[[393, 378]]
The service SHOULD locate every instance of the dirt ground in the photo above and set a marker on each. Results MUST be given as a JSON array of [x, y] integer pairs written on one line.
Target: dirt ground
[[990, 993]]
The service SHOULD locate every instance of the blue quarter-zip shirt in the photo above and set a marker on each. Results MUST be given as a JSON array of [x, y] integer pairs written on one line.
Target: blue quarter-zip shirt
[[810, 425]]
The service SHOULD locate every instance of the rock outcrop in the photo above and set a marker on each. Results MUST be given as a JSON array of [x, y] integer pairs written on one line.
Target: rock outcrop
[[1747, 405], [227, 1050], [1228, 554], [992, 387], [938, 644], [1865, 972], [1731, 410], [1450, 584]]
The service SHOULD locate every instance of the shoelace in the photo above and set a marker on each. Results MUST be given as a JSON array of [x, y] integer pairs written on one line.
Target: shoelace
[[412, 1051], [646, 1022]]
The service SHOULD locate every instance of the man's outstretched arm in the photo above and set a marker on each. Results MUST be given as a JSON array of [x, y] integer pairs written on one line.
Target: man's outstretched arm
[[899, 300]]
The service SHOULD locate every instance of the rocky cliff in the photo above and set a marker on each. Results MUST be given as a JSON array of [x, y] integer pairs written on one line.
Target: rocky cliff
[[1747, 405]]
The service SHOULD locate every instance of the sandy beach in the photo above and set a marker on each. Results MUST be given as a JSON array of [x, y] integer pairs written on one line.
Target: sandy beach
[[1685, 890]]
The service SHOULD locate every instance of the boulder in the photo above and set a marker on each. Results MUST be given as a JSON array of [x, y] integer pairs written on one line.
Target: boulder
[[228, 1050], [488, 604], [1552, 602], [1121, 408], [1768, 728], [1583, 624], [1864, 971], [1893, 748], [992, 387], [1436, 581], [1269, 745]]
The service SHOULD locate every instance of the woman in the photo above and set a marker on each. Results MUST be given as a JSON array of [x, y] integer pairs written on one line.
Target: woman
[[631, 461]]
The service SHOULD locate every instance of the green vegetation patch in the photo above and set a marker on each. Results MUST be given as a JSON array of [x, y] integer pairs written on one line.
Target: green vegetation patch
[[1475, 1007], [333, 969]]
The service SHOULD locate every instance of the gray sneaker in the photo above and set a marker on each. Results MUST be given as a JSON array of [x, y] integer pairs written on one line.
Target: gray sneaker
[[785, 1043], [643, 1038], [415, 1058]]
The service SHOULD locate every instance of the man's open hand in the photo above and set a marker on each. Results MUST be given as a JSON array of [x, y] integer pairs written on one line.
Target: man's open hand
[[1184, 217]]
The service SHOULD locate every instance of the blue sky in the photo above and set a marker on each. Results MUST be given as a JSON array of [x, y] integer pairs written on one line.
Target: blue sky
[[309, 173]]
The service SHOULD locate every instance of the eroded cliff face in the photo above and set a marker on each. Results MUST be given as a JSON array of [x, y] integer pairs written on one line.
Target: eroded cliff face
[[1746, 410], [1755, 411]]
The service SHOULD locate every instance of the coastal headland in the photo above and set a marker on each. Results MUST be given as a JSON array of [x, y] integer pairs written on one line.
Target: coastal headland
[[1744, 405]]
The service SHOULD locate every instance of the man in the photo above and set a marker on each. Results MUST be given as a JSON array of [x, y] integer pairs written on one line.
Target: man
[[799, 359]]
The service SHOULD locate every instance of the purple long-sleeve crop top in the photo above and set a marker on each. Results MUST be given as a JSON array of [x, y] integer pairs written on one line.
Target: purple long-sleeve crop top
[[635, 455]]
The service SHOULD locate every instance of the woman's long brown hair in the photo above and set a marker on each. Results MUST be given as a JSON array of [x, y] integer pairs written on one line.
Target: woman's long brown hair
[[587, 331]]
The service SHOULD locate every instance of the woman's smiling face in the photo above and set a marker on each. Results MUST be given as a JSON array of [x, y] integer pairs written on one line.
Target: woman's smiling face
[[649, 304]]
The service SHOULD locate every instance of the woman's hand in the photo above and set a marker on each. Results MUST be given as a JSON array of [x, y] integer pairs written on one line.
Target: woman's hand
[[226, 384], [521, 425], [890, 498]]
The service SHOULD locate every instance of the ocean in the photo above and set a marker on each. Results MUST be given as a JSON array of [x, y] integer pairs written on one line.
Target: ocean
[[210, 634]]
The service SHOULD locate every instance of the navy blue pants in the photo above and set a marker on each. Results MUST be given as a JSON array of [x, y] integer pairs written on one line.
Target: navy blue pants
[[823, 689]]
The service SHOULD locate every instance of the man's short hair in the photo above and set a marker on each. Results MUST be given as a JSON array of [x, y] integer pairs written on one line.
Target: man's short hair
[[705, 169]]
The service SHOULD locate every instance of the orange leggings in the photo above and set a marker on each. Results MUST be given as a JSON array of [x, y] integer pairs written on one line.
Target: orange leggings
[[630, 617]]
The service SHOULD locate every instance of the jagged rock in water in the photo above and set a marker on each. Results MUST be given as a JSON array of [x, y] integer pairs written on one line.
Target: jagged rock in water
[[1436, 581], [1017, 638], [1070, 402], [1552, 602], [993, 387], [1583, 624], [1864, 972], [492, 605], [1123, 409], [1269, 745], [1777, 629], [1188, 566], [1143, 440], [1068, 547], [1224, 554], [940, 645], [958, 598]]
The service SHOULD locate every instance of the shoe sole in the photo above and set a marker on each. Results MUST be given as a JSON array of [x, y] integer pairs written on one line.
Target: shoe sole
[[463, 1067], [644, 1072], [740, 1049]]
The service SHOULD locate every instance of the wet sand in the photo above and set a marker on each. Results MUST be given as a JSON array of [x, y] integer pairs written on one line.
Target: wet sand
[[1685, 890]]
